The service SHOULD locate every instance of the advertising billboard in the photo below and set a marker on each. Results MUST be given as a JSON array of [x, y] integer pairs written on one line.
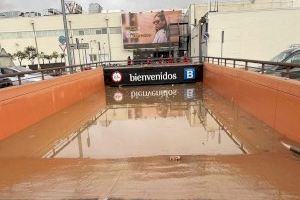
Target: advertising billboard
[[150, 29]]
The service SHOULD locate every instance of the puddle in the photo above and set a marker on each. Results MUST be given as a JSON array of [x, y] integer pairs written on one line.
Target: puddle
[[150, 121]]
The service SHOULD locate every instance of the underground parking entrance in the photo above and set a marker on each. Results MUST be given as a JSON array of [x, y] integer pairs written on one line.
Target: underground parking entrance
[[148, 142]]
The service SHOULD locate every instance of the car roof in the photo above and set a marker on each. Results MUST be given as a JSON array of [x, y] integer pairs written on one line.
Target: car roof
[[293, 50], [18, 68]]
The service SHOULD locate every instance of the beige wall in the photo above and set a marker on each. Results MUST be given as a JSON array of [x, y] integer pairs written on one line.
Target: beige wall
[[48, 44], [253, 34]]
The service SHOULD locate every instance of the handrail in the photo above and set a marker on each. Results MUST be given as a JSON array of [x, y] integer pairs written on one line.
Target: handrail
[[43, 70], [265, 67], [104, 64], [255, 61]]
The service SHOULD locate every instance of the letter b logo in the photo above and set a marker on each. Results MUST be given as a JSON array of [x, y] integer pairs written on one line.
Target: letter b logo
[[189, 73]]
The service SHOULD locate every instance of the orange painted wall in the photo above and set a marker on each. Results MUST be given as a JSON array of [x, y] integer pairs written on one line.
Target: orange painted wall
[[274, 100], [25, 105]]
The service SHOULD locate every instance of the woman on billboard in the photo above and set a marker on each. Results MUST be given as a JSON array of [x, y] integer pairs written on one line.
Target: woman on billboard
[[161, 27]]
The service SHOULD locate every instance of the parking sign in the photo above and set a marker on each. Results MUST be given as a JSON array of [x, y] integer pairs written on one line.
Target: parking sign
[[189, 73]]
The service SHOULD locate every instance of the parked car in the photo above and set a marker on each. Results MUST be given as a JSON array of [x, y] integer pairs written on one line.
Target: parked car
[[291, 55], [5, 82], [292, 74], [26, 78]]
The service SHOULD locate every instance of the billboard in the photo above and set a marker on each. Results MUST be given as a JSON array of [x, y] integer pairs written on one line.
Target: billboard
[[150, 29]]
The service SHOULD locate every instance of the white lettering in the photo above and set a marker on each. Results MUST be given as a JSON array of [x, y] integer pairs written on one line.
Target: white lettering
[[152, 77], [190, 74], [154, 93]]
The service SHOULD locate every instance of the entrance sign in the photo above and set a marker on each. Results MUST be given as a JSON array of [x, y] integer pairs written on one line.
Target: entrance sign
[[149, 75]]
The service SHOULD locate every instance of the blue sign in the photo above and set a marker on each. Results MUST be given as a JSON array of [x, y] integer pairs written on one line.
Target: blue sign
[[189, 73], [62, 39]]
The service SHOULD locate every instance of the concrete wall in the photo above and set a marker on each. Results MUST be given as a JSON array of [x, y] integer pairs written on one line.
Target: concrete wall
[[23, 106], [274, 100], [257, 34]]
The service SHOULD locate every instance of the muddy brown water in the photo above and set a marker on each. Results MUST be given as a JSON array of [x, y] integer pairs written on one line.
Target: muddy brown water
[[118, 145]]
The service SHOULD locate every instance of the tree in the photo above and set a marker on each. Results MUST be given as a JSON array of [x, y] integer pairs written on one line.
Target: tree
[[55, 56], [48, 57], [31, 53], [62, 56], [20, 56], [42, 56]]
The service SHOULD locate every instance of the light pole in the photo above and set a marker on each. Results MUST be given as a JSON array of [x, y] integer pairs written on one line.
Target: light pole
[[92, 57], [36, 45], [99, 51], [108, 37], [84, 55], [71, 32], [77, 44], [104, 52], [66, 31]]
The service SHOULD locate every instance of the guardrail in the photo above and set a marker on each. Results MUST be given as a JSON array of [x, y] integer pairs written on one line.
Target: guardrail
[[20, 78], [151, 61], [42, 74], [287, 70]]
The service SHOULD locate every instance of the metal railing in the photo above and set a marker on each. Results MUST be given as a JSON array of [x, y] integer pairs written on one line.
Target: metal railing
[[20, 78], [287, 70], [151, 61], [43, 74]]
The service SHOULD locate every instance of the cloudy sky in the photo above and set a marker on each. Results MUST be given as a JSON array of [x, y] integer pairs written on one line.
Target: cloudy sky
[[129, 5]]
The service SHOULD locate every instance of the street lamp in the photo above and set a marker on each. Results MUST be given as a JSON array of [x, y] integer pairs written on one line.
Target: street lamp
[[104, 52], [36, 45], [108, 37], [85, 59], [99, 51], [66, 31], [91, 57], [71, 37]]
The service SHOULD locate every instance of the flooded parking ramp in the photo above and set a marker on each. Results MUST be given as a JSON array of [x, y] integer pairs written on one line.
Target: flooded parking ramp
[[149, 142], [173, 126]]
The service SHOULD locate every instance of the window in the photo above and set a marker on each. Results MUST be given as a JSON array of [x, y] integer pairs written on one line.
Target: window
[[7, 71], [104, 31], [98, 32], [115, 30], [93, 57], [88, 31], [27, 34], [8, 35], [81, 32], [294, 59]]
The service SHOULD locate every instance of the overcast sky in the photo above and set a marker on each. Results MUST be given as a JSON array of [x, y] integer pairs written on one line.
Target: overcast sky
[[128, 5]]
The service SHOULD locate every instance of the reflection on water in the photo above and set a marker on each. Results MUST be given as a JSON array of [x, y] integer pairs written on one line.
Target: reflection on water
[[150, 121]]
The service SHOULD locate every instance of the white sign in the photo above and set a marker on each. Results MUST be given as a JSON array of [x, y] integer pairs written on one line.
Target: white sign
[[116, 77]]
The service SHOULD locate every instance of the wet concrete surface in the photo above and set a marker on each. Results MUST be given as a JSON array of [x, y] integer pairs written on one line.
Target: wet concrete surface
[[118, 146]]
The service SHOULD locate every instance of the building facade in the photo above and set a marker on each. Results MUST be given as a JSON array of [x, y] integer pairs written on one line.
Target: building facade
[[102, 31], [252, 30]]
